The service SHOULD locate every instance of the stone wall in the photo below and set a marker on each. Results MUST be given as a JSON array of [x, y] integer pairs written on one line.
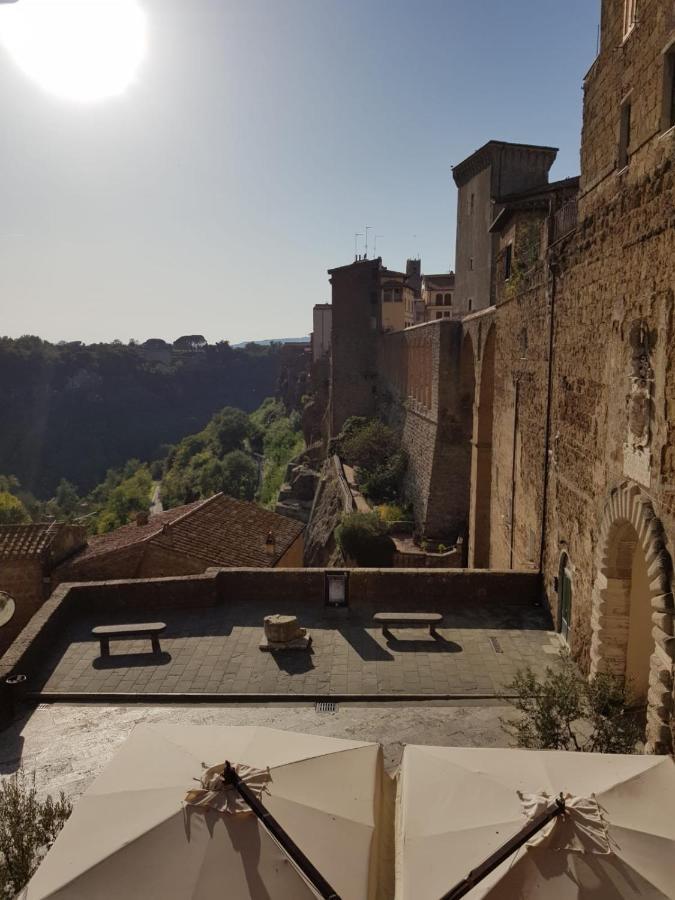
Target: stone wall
[[419, 394], [22, 579]]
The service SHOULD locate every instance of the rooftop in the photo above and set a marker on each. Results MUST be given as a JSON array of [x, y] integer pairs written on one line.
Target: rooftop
[[32, 541], [485, 155], [219, 530]]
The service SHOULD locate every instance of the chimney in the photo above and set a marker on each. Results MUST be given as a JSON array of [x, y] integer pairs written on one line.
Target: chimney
[[142, 517], [269, 542]]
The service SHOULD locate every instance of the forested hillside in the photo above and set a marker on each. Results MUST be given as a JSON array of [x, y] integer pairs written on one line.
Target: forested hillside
[[73, 411]]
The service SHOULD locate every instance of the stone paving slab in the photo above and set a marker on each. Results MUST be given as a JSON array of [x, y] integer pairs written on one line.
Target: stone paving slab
[[67, 745], [216, 651]]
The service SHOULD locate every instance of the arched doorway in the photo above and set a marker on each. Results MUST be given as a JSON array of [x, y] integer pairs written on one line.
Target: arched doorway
[[632, 616], [481, 465], [565, 597]]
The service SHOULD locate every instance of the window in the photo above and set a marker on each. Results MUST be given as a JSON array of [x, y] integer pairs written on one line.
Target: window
[[439, 315], [624, 134], [669, 89], [386, 296], [472, 200], [439, 299], [629, 16], [397, 294], [448, 299], [508, 262], [446, 315], [471, 263], [470, 304]]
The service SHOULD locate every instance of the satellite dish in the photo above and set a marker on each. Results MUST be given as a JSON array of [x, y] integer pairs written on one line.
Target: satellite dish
[[7, 608]]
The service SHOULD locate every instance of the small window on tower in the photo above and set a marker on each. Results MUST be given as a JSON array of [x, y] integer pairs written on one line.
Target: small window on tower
[[508, 262], [624, 134], [472, 202], [470, 304]]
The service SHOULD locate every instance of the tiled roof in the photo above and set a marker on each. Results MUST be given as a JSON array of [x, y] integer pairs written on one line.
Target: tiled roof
[[221, 531], [229, 532], [128, 535], [26, 540]]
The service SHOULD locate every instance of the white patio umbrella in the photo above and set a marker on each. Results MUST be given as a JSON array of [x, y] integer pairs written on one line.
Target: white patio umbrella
[[132, 835], [458, 806]]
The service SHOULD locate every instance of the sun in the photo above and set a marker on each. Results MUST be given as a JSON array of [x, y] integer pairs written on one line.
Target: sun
[[80, 50]]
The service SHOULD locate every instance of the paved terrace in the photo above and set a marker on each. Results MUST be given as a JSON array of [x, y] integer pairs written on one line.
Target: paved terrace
[[491, 628]]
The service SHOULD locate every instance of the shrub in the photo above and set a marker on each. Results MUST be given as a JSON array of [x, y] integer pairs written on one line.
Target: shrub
[[28, 828], [390, 512], [565, 711], [369, 446], [385, 483], [12, 510], [364, 538]]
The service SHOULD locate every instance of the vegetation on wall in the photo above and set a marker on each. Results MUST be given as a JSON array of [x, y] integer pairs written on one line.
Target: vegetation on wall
[[364, 538], [74, 411]]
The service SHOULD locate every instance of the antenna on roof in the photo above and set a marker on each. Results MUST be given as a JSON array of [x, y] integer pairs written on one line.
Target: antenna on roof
[[368, 228], [357, 234]]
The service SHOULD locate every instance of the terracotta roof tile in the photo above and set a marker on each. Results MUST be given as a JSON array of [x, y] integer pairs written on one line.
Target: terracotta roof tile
[[26, 540], [221, 531]]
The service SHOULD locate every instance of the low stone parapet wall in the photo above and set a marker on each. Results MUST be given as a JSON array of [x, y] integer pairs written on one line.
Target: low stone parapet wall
[[272, 590]]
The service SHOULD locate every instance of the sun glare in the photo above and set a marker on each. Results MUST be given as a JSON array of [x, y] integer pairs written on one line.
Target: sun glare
[[81, 50]]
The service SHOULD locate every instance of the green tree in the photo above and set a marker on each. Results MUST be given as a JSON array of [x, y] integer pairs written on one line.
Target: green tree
[[228, 430], [66, 497], [565, 711], [364, 537], [240, 475], [12, 510]]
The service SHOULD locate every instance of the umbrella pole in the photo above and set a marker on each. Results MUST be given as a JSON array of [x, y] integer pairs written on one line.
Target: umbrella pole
[[306, 867], [499, 856]]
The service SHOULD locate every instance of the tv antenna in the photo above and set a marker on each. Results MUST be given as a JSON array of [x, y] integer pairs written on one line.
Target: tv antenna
[[357, 235], [368, 228], [375, 246]]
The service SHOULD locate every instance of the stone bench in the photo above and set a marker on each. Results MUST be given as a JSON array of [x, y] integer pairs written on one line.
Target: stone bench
[[107, 633], [408, 620]]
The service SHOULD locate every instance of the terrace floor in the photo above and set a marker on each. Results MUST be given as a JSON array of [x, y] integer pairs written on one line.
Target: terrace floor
[[215, 651]]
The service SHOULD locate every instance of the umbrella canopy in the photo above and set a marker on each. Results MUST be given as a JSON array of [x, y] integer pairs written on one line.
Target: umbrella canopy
[[131, 834], [457, 806]]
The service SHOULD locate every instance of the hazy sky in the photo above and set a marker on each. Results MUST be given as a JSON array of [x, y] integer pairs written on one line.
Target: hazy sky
[[259, 135]]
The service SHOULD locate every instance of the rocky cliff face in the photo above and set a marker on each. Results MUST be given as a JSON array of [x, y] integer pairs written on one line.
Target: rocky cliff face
[[321, 549]]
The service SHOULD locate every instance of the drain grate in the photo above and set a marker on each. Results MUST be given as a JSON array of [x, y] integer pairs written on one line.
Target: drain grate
[[496, 646], [326, 706]]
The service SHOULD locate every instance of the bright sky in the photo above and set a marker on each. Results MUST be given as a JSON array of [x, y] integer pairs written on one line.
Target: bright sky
[[212, 194]]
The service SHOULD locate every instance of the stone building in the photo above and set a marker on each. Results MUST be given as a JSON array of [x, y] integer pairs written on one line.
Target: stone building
[[437, 296], [187, 540], [28, 556], [539, 423], [573, 384], [494, 171], [321, 331]]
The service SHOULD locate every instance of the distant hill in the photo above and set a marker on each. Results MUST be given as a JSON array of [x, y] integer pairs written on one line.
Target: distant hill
[[269, 341], [73, 411]]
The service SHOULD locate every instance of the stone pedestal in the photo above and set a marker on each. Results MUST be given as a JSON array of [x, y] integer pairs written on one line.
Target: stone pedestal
[[284, 633]]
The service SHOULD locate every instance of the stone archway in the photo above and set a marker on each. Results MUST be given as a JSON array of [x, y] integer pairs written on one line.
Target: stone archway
[[632, 616], [481, 464]]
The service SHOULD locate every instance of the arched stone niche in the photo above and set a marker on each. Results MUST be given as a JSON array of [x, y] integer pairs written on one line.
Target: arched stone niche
[[633, 580]]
